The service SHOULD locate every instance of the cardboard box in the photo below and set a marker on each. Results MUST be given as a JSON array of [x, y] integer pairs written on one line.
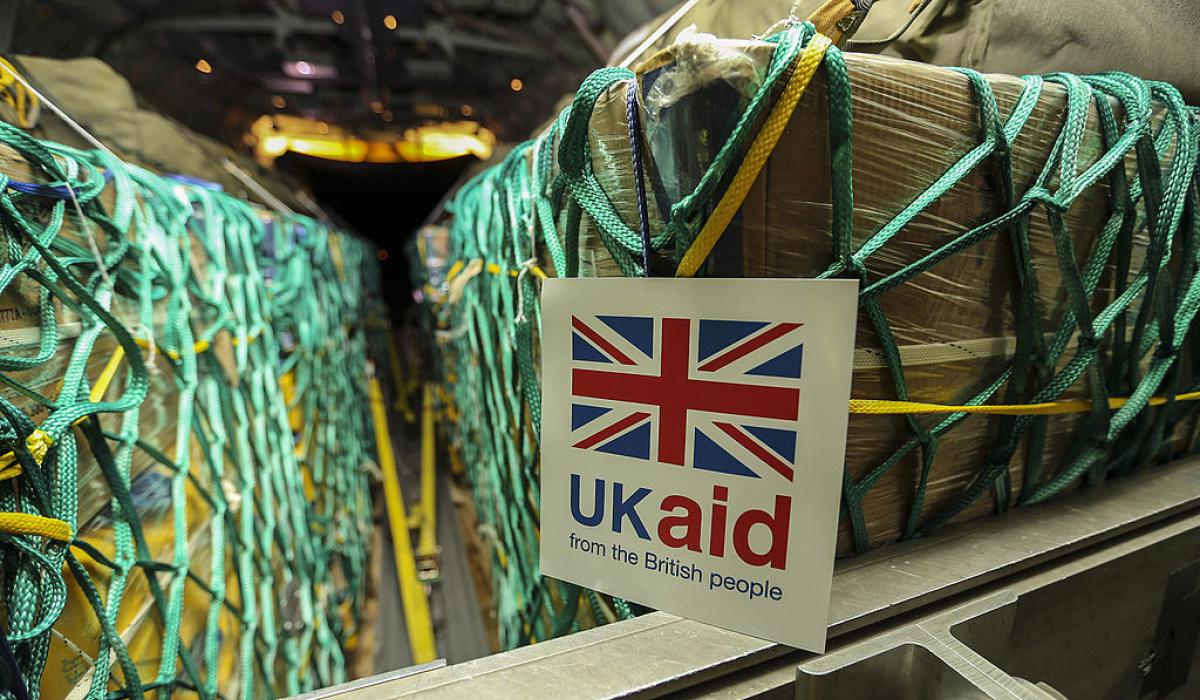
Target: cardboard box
[[955, 322]]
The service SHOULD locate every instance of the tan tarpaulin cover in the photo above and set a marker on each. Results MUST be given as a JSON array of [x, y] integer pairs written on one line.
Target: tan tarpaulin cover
[[104, 103], [1149, 38]]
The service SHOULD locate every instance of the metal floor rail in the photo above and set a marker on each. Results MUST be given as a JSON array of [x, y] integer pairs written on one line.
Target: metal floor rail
[[1096, 595]]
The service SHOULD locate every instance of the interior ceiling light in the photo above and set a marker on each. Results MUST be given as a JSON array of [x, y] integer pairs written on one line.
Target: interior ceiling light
[[390, 21], [278, 102], [204, 66], [338, 17], [309, 70], [467, 110], [387, 115], [516, 84], [274, 135], [377, 106]]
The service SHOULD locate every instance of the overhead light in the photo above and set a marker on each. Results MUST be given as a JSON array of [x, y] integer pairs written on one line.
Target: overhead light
[[376, 106], [272, 135], [387, 115], [338, 17], [309, 70], [390, 21], [516, 84], [204, 66], [278, 102], [274, 146], [467, 110], [382, 254]]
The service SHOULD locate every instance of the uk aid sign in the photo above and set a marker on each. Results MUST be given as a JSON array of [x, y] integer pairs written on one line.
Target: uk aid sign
[[693, 438]]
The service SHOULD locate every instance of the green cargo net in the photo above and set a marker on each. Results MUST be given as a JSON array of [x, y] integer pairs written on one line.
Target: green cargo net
[[1134, 346], [184, 398]]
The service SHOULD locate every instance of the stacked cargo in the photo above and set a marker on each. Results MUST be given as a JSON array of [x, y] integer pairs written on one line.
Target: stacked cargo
[[1025, 249], [185, 438]]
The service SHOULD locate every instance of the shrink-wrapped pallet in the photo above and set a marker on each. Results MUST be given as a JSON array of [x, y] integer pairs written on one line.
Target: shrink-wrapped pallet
[[955, 324]]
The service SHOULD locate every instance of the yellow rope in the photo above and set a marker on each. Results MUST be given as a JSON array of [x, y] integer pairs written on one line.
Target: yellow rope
[[37, 525], [755, 158], [25, 104], [199, 347], [883, 407], [38, 443], [497, 270], [470, 268]]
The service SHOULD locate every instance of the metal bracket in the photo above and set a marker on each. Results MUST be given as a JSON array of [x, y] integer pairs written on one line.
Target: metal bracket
[[923, 659], [1168, 665]]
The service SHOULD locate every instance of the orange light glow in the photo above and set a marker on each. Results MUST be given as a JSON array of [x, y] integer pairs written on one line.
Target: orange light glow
[[338, 17], [517, 84], [274, 135], [204, 66], [389, 22]]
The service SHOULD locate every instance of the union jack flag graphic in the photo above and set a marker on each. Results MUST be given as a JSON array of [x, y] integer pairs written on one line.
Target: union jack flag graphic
[[712, 394]]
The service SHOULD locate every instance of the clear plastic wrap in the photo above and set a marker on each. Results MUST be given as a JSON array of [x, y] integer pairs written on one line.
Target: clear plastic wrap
[[253, 487], [955, 322], [961, 324]]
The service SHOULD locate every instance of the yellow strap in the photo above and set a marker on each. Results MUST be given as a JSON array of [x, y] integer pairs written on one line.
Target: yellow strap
[[454, 270], [881, 407], [427, 548], [37, 525], [755, 158], [100, 388], [412, 592]]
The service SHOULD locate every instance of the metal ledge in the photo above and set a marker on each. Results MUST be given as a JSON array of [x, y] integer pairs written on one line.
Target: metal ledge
[[660, 653]]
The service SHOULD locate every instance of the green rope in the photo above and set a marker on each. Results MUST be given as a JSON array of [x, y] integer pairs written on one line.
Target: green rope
[[1127, 342], [209, 535]]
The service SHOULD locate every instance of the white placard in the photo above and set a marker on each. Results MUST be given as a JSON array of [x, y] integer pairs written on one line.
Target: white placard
[[693, 438]]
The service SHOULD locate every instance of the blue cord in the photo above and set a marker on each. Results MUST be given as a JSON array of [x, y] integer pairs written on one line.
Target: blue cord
[[52, 191], [633, 116]]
